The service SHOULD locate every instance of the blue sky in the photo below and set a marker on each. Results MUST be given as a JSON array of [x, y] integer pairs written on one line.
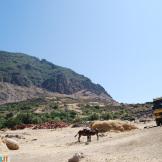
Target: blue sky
[[115, 43]]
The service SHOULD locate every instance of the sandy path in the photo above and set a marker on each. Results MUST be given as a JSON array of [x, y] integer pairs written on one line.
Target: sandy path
[[57, 146]]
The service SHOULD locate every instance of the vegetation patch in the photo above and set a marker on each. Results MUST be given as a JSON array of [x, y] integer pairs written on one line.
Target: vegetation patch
[[41, 110]]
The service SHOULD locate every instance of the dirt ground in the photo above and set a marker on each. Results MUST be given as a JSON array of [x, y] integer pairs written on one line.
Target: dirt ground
[[143, 145]]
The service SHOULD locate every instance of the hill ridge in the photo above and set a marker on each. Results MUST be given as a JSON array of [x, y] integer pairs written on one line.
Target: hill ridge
[[25, 70]]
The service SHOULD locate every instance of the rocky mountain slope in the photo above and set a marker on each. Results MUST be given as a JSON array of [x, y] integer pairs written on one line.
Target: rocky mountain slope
[[20, 73], [12, 93]]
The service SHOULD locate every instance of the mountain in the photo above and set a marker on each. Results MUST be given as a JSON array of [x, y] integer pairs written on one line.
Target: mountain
[[27, 71]]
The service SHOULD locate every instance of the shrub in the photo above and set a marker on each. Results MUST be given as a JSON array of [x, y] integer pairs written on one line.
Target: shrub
[[9, 115], [25, 118], [36, 120], [107, 116], [57, 119], [93, 116], [54, 106], [2, 122], [78, 119], [10, 123]]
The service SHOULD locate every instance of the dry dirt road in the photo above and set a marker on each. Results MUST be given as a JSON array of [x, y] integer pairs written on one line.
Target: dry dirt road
[[143, 145]]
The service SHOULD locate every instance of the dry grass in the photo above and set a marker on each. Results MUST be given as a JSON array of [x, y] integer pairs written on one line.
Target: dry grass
[[113, 125]]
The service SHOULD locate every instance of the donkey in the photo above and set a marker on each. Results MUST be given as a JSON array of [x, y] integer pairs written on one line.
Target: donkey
[[87, 132]]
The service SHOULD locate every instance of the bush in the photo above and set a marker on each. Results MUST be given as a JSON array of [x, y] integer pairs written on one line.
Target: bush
[[61, 115], [2, 122], [115, 115], [93, 116], [9, 115], [107, 116], [77, 120], [54, 106], [36, 120], [57, 119], [25, 118], [12, 122]]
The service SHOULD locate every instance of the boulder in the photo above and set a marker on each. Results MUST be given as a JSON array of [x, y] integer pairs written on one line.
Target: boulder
[[11, 144], [76, 157]]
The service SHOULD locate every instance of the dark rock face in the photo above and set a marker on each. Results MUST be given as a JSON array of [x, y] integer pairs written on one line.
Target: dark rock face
[[24, 70], [59, 83]]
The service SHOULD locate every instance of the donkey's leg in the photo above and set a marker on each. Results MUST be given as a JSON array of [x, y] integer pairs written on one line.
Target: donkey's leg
[[87, 138], [97, 136], [79, 138], [90, 138]]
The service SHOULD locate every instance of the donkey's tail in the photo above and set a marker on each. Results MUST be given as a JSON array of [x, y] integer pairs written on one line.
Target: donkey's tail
[[76, 135]]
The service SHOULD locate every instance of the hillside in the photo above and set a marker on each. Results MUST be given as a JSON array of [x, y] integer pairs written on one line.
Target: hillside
[[27, 71], [68, 109]]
